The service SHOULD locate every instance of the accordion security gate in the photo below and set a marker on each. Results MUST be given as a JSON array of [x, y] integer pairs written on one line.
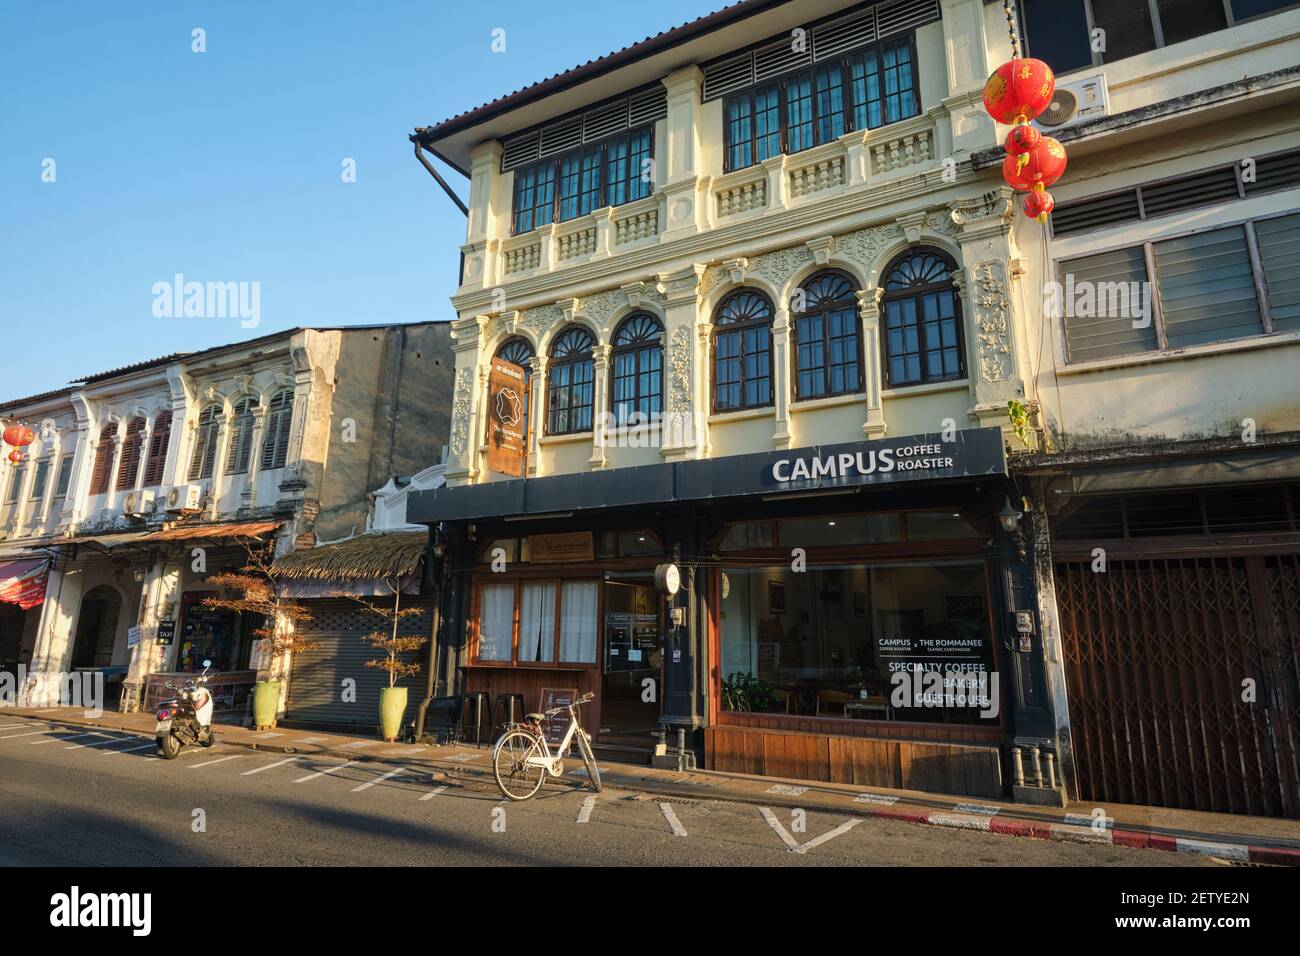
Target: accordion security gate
[[1182, 675]]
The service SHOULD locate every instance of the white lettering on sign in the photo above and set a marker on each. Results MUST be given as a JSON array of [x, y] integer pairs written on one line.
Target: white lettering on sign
[[920, 457]]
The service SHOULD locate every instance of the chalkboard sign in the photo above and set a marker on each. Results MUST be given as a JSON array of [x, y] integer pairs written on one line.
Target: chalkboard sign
[[553, 728]]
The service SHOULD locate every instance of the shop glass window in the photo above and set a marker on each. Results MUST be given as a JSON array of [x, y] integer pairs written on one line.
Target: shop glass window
[[578, 622], [129, 468], [159, 440], [103, 460], [923, 340], [938, 526], [537, 623], [636, 369], [275, 434], [1279, 258], [570, 383], [838, 530], [496, 630], [1157, 515], [828, 350], [851, 641], [637, 543], [742, 352], [65, 477], [746, 535]]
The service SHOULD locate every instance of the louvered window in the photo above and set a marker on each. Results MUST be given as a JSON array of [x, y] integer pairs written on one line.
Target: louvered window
[[132, 445], [642, 108], [1184, 291], [575, 183], [159, 440], [1186, 192], [279, 424], [103, 460], [241, 437], [205, 443]]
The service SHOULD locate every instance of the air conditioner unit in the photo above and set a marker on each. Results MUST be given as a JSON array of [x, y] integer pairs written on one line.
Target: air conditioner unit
[[185, 498], [1074, 102], [140, 503]]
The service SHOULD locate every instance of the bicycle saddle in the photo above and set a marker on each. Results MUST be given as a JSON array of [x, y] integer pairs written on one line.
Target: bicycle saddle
[[534, 718]]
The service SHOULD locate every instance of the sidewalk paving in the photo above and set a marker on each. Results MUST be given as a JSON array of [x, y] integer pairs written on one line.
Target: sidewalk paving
[[1230, 837]]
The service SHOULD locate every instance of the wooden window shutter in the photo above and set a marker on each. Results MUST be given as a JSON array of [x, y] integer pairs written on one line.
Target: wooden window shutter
[[158, 445], [205, 445], [279, 423], [241, 439], [103, 460], [130, 466]]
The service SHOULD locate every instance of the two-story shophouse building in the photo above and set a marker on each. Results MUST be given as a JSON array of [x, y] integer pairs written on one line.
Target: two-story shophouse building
[[735, 299], [146, 480]]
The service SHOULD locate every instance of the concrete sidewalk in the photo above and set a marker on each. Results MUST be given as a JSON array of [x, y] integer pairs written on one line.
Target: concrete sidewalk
[[1238, 839]]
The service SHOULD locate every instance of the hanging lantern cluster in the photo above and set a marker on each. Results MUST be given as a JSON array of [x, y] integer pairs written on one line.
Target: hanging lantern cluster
[[18, 437], [1015, 93]]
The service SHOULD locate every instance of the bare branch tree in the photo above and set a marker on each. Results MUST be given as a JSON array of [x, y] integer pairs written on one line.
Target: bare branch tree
[[393, 646]]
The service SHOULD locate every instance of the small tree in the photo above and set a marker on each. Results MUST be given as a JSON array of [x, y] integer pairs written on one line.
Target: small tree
[[393, 647], [255, 589]]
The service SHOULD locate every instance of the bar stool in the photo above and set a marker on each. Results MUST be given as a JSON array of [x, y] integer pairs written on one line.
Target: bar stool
[[476, 712], [510, 708]]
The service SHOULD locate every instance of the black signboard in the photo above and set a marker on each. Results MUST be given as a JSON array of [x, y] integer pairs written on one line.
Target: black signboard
[[555, 727], [167, 631]]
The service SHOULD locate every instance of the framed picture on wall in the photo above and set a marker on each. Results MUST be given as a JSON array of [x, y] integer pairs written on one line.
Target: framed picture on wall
[[963, 607], [775, 597]]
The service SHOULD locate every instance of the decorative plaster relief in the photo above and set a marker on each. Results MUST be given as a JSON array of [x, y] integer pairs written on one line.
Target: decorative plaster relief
[[991, 323], [462, 398]]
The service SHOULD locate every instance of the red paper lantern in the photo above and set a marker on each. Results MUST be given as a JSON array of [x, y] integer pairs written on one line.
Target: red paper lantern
[[1039, 205], [1023, 139], [15, 456], [1044, 166], [1019, 90], [19, 436]]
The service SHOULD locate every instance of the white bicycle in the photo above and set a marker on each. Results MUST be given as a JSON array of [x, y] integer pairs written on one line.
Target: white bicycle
[[521, 759]]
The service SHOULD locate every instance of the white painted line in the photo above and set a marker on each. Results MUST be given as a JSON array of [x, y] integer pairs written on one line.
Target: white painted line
[[56, 740], [584, 812], [1224, 851], [209, 763], [433, 793], [267, 736], [321, 773], [961, 821], [309, 740], [133, 749], [883, 799], [667, 810], [358, 744], [25, 723], [785, 790], [1072, 834], [464, 758], [370, 783], [794, 845], [269, 766], [985, 808], [102, 743], [49, 710], [30, 733], [1088, 820]]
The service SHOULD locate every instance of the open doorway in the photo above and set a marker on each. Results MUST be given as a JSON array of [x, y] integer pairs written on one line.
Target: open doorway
[[96, 628]]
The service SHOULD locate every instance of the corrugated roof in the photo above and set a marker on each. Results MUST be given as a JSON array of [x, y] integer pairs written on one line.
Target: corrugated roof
[[592, 68], [32, 399], [375, 555]]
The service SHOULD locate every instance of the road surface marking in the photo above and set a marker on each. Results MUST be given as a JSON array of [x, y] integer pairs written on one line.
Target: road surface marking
[[794, 845], [321, 773], [269, 766], [464, 758], [584, 812], [785, 790], [30, 733], [984, 808], [267, 736], [55, 740], [370, 783], [309, 740], [209, 763], [433, 793], [102, 743], [49, 710], [358, 744], [25, 723], [671, 817], [132, 749], [880, 798]]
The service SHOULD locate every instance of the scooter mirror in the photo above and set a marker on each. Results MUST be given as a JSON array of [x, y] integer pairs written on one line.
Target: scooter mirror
[[207, 663]]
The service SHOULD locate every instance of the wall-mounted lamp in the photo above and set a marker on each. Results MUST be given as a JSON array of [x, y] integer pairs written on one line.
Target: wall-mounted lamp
[[1009, 518]]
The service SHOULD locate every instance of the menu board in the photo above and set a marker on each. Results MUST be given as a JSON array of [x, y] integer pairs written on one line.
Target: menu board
[[553, 728]]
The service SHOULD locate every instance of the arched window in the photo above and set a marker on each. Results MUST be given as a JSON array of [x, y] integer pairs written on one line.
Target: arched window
[[517, 352], [637, 368], [922, 320], [827, 346], [103, 469], [570, 381], [241, 437], [159, 439], [275, 436], [205, 443], [129, 468], [742, 352]]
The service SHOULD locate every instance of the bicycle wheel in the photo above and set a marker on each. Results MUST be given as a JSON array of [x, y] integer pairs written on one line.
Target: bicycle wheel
[[589, 759], [517, 778]]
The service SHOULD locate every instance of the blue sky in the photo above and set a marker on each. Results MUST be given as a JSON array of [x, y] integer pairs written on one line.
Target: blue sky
[[225, 166]]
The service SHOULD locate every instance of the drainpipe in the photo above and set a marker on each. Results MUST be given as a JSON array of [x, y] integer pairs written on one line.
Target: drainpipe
[[419, 154]]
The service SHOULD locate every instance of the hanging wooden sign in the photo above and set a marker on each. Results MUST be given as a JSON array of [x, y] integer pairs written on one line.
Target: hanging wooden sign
[[507, 425]]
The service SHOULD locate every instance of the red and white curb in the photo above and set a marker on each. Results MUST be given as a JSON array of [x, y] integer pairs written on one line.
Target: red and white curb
[[1075, 828]]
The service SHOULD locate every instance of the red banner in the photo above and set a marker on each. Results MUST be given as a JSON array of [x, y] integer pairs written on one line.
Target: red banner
[[23, 582]]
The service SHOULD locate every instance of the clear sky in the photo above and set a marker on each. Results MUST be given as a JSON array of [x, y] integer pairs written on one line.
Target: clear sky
[[226, 165]]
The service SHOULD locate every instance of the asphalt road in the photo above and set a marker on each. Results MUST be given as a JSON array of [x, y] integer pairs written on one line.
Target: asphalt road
[[72, 797]]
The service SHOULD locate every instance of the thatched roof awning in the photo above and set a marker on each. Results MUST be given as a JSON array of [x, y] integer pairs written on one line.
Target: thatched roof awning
[[378, 555]]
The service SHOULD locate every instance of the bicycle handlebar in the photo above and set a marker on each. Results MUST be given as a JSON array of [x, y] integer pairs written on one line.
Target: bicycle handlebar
[[584, 699]]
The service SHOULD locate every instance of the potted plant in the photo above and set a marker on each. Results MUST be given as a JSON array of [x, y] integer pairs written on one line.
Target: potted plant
[[254, 589], [392, 699], [745, 692]]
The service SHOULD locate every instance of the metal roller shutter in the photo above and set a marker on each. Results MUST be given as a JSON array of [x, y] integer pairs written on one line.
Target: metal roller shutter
[[316, 685]]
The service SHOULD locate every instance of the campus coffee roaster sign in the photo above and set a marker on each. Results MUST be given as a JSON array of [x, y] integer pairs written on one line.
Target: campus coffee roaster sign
[[507, 388]]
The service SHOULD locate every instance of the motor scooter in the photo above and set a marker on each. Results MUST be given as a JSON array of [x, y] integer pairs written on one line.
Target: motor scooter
[[187, 717]]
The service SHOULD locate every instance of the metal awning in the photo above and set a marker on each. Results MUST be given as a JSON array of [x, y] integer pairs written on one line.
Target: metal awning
[[888, 462], [105, 541]]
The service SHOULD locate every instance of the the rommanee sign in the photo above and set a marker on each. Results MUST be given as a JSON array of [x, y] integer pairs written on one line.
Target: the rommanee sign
[[506, 418]]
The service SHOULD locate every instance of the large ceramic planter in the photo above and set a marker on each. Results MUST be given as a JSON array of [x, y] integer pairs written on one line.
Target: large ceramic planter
[[266, 701], [392, 705]]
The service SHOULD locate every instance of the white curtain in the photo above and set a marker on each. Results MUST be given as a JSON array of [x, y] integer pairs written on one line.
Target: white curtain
[[578, 623], [537, 623], [496, 622]]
